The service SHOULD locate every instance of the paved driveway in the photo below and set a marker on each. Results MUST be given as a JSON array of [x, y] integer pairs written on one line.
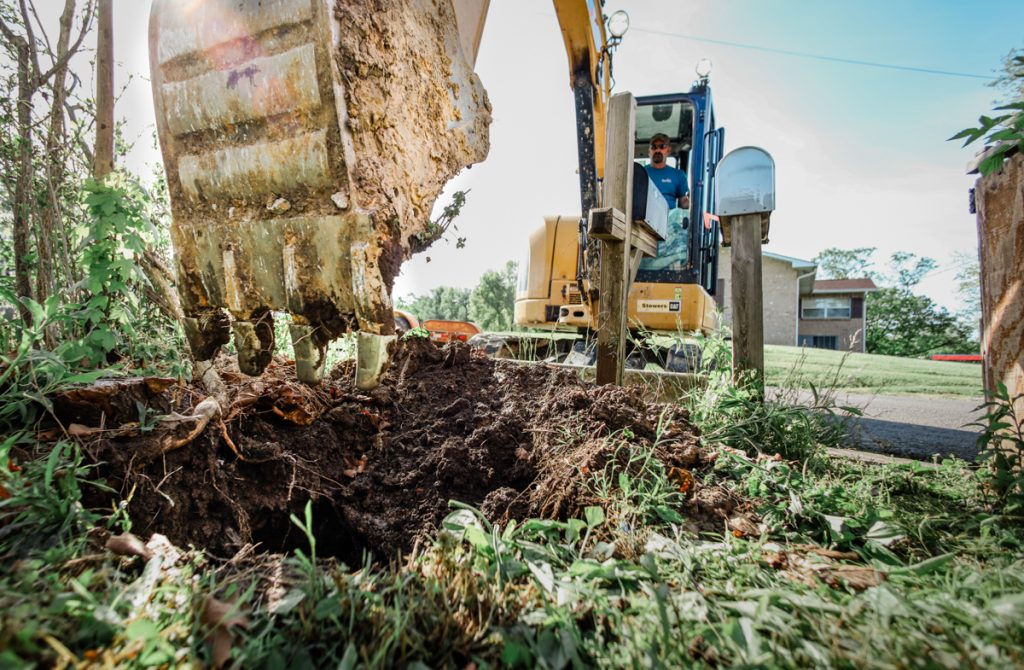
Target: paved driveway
[[917, 427]]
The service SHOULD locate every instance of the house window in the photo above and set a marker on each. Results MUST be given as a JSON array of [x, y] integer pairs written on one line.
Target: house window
[[825, 308], [820, 341]]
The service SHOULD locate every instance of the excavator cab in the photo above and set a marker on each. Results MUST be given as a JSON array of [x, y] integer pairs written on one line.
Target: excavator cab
[[689, 122]]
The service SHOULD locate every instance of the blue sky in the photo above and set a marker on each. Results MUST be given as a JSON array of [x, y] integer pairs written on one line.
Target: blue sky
[[860, 151]]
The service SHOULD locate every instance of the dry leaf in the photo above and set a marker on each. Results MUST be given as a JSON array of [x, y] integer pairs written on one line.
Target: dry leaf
[[857, 577], [744, 527], [78, 430], [355, 467], [682, 478], [221, 617], [129, 545]]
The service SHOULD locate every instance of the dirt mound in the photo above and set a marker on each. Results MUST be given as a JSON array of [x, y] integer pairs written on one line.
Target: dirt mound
[[445, 424]]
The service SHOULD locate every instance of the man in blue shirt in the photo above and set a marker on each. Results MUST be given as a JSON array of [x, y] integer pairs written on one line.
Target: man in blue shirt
[[673, 251], [672, 183]]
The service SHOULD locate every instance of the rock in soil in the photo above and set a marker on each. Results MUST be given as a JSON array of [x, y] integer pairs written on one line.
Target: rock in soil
[[446, 424]]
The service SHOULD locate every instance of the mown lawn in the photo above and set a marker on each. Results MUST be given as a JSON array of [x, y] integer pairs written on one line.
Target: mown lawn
[[870, 373]]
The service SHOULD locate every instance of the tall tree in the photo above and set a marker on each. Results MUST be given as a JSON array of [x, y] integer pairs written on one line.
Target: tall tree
[[25, 40], [968, 289], [492, 304], [834, 263], [908, 269], [22, 200], [51, 222], [901, 323], [103, 156]]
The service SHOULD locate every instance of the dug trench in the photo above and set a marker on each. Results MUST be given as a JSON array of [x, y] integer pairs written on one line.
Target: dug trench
[[379, 469]]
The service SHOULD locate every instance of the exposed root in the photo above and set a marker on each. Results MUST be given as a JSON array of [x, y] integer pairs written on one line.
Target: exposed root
[[228, 441], [204, 412]]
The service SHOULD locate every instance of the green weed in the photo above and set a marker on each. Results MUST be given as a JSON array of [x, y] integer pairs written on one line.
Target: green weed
[[1001, 443]]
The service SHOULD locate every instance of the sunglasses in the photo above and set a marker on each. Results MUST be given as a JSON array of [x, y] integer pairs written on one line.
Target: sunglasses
[[659, 146]]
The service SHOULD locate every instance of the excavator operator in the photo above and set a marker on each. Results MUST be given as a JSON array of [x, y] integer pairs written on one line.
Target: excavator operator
[[673, 251], [672, 182]]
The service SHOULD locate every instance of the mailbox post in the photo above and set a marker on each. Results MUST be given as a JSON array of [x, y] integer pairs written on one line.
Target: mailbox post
[[745, 199]]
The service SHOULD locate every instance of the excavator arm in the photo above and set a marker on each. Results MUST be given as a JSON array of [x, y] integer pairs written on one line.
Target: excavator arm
[[586, 45]]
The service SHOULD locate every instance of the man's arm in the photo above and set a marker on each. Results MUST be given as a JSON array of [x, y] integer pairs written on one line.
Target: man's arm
[[683, 191]]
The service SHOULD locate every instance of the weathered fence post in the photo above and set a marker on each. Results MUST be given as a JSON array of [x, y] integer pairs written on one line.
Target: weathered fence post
[[1000, 205], [618, 195]]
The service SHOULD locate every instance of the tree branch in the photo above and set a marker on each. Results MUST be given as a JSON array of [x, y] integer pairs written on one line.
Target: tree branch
[[12, 36], [33, 52], [62, 60]]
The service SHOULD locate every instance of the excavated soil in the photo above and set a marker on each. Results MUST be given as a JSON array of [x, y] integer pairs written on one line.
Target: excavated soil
[[446, 424]]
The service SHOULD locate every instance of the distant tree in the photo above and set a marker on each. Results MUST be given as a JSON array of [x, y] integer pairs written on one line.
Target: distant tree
[[493, 301], [968, 289], [901, 323], [908, 269], [834, 263], [37, 147], [444, 302]]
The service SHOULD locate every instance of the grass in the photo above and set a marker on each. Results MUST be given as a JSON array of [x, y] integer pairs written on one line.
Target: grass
[[870, 373], [930, 574]]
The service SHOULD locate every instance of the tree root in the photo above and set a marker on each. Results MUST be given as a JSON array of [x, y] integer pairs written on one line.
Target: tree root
[[204, 412]]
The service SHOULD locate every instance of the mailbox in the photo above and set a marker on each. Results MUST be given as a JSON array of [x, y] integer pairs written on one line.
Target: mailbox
[[745, 184]]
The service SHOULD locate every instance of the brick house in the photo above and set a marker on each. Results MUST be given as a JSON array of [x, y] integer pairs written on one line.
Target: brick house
[[800, 310]]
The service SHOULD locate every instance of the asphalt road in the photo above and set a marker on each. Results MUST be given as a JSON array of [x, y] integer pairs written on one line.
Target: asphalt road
[[917, 427]]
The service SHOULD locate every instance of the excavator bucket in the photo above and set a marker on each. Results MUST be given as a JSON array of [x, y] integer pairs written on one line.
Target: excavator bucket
[[305, 142]]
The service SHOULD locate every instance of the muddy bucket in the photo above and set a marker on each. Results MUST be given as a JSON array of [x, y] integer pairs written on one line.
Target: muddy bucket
[[305, 142]]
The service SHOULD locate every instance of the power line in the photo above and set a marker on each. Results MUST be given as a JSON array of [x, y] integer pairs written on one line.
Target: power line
[[804, 54]]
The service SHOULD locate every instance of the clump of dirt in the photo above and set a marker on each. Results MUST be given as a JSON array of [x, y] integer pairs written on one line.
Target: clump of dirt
[[379, 469]]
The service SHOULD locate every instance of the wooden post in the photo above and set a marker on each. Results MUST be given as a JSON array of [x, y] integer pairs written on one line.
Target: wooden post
[[747, 299], [1001, 238], [615, 255]]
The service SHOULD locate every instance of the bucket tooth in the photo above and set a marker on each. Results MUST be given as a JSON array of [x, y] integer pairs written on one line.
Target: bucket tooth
[[206, 332], [373, 353], [310, 353], [255, 343]]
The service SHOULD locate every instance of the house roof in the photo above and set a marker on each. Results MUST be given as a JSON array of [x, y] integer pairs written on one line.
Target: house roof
[[797, 263], [844, 285]]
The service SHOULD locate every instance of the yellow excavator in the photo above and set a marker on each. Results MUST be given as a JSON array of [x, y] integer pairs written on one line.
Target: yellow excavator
[[306, 141]]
